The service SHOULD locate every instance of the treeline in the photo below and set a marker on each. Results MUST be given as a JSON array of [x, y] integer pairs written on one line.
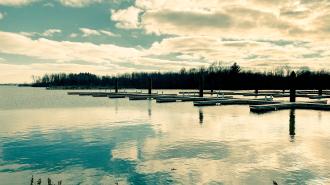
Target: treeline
[[215, 77]]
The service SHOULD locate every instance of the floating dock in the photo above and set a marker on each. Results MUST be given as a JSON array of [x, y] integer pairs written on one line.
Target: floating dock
[[235, 102], [258, 105], [186, 99], [319, 96], [116, 96], [100, 95], [316, 105]]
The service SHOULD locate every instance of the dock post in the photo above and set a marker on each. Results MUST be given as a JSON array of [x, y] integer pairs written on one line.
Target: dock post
[[256, 91], [116, 85], [292, 87], [150, 85], [201, 84], [320, 92]]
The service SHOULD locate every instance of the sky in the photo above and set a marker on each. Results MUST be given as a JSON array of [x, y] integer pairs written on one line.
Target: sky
[[110, 37]]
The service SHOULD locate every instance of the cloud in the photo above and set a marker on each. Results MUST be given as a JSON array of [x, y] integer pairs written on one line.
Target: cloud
[[235, 22], [258, 34], [73, 35], [126, 18], [16, 2], [10, 71], [254, 19], [51, 32], [251, 54], [91, 32], [64, 51], [78, 3], [174, 22], [46, 33], [29, 34], [108, 33]]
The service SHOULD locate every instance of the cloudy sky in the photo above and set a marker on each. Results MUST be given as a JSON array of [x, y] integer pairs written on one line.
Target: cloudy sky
[[118, 36]]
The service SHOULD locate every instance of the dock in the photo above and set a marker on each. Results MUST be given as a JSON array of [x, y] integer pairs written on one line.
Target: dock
[[186, 99], [319, 96], [116, 96], [316, 105], [235, 102], [257, 105]]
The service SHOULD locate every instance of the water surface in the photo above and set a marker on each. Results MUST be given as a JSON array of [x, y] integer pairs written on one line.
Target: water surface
[[86, 140]]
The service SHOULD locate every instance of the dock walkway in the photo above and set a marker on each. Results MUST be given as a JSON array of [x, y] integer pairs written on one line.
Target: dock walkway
[[316, 105]]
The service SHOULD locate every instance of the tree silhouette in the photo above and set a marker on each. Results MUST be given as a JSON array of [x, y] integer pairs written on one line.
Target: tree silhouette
[[216, 76]]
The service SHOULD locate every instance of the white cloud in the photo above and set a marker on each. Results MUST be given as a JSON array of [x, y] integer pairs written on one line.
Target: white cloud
[[83, 3], [64, 51], [47, 33], [184, 51], [51, 32], [260, 34], [254, 19], [29, 34], [16, 2], [126, 18], [73, 35], [91, 32], [252, 54], [78, 3], [108, 33]]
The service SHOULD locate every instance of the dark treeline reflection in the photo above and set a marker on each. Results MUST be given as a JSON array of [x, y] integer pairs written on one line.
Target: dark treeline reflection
[[292, 124], [201, 116], [216, 76]]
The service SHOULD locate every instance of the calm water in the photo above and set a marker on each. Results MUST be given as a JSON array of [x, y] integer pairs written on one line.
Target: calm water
[[86, 140]]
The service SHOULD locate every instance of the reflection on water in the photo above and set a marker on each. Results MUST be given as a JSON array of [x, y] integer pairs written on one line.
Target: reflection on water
[[292, 122], [85, 140], [201, 116], [149, 108]]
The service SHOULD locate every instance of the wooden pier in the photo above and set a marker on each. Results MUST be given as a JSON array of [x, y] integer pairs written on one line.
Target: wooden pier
[[235, 102], [256, 105], [186, 99], [316, 105], [116, 96], [319, 96]]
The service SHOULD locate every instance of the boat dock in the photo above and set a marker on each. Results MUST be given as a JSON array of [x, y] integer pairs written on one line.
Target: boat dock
[[317, 105], [191, 98], [235, 102], [258, 105]]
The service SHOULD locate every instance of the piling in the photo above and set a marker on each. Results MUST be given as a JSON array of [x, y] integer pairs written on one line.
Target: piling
[[150, 86], [256, 91], [201, 85], [320, 92], [116, 85], [292, 87]]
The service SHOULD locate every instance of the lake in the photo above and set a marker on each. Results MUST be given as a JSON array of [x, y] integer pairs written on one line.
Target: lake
[[86, 140]]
